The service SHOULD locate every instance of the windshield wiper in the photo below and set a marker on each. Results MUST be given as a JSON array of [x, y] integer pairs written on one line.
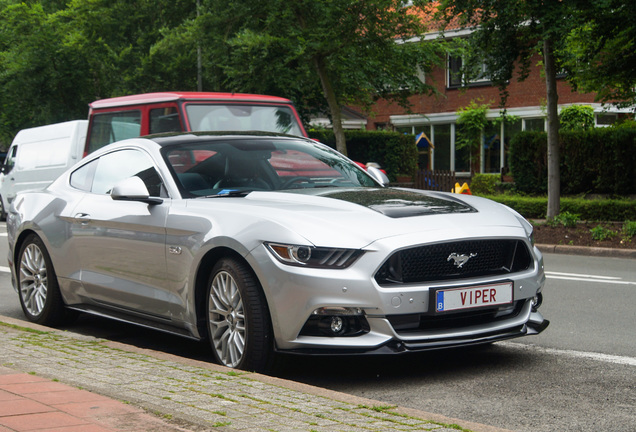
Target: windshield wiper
[[229, 193]]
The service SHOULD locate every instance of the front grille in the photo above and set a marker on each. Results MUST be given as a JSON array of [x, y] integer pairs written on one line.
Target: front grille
[[455, 260], [404, 324]]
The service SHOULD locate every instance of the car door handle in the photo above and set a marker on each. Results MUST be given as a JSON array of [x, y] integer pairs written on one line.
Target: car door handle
[[82, 218]]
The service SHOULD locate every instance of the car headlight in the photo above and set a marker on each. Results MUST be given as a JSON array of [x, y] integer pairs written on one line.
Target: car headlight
[[316, 257]]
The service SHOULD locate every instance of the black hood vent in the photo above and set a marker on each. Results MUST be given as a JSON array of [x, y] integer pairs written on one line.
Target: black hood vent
[[398, 203]]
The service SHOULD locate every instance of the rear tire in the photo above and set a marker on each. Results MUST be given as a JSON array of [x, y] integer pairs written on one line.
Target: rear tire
[[38, 289], [3, 213], [238, 320]]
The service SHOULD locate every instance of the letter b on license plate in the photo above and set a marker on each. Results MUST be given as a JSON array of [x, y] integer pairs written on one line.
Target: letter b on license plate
[[470, 297]]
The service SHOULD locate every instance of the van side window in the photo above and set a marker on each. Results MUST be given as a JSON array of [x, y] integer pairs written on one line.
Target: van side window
[[164, 120], [9, 162], [110, 127]]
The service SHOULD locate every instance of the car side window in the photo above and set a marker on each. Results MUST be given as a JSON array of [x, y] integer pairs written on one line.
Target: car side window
[[82, 178], [113, 167]]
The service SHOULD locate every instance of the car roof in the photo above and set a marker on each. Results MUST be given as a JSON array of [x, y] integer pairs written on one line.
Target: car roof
[[177, 138], [150, 98]]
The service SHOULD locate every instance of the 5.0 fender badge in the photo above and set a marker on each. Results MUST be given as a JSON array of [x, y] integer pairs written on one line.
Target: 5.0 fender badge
[[460, 260]]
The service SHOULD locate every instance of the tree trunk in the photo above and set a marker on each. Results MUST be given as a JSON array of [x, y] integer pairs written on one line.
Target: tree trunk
[[554, 179], [334, 106]]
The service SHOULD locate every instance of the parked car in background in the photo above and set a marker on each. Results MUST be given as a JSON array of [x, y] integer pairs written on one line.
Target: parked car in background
[[267, 243], [37, 156], [132, 116]]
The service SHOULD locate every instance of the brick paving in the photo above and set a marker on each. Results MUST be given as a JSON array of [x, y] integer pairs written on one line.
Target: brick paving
[[58, 381]]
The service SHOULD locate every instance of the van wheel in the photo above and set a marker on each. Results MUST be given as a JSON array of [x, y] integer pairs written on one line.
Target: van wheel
[[3, 214], [38, 289], [239, 324]]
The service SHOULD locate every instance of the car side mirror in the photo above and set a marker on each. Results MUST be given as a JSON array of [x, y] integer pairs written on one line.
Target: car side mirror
[[378, 175], [133, 189]]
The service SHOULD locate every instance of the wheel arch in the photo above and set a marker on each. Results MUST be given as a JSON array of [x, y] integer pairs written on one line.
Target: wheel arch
[[18, 246], [201, 280]]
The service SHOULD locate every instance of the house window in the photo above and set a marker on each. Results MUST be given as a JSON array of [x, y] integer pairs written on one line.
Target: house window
[[442, 142], [511, 129], [606, 119], [462, 74], [463, 157], [536, 124], [491, 149]]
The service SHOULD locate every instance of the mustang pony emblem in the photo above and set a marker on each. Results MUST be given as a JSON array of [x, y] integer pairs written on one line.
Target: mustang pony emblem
[[460, 260]]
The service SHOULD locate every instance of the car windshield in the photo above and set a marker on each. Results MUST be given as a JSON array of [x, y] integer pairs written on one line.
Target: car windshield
[[217, 117], [218, 167]]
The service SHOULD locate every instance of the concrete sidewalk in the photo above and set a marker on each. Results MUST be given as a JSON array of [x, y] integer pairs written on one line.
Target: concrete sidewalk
[[58, 381]]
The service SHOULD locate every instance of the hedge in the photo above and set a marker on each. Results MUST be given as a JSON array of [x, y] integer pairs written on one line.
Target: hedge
[[600, 160], [394, 151], [591, 210]]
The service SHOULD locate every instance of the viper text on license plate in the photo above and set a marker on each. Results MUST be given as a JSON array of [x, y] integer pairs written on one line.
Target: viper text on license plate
[[470, 297]]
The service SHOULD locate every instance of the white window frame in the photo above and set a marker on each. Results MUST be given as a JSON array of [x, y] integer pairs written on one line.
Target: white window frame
[[486, 79]]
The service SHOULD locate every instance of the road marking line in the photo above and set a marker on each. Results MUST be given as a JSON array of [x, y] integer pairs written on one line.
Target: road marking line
[[588, 278], [3, 234], [607, 358], [581, 275], [5, 269], [592, 280]]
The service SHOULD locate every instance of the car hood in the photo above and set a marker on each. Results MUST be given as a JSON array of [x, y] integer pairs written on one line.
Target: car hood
[[355, 218]]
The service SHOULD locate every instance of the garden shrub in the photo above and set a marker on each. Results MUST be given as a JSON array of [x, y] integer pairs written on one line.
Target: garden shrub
[[589, 210], [629, 230], [599, 160], [566, 219], [484, 184], [601, 233], [395, 152]]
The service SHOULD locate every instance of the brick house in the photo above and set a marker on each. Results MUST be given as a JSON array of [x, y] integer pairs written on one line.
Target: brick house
[[437, 116]]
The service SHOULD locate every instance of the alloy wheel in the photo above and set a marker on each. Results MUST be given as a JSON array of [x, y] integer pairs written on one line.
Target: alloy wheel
[[227, 319], [33, 279]]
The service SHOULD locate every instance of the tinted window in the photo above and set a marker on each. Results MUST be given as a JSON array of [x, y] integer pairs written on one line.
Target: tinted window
[[9, 162], [242, 118], [110, 127], [117, 166], [208, 168], [164, 120]]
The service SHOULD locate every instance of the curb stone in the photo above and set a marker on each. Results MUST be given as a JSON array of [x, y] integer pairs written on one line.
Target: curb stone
[[201, 396], [588, 251]]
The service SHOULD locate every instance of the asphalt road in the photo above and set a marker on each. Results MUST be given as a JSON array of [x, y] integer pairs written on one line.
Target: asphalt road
[[580, 374]]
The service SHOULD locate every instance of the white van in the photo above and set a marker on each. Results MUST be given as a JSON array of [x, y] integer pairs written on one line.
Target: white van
[[37, 156]]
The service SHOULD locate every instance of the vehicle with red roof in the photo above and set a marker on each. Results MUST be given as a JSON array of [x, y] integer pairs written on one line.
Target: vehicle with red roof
[[132, 116]]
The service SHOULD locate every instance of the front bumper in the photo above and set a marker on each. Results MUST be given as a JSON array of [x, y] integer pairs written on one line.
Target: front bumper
[[294, 294]]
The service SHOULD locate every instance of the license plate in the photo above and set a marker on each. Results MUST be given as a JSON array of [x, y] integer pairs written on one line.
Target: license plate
[[470, 297]]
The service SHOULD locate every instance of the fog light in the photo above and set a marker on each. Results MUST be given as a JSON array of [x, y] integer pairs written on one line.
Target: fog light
[[336, 324]]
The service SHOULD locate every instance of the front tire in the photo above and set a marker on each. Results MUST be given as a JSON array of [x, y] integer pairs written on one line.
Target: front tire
[[239, 324], [38, 289]]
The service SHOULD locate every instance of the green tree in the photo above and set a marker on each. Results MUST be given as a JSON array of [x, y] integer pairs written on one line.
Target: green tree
[[322, 54], [508, 33], [58, 56], [472, 121], [600, 54]]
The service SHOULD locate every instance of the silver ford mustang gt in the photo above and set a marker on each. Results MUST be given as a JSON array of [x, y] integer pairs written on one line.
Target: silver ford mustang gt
[[265, 244]]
